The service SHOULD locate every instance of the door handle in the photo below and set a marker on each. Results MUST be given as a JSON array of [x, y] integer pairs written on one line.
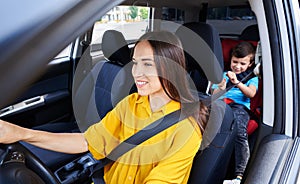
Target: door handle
[[22, 106]]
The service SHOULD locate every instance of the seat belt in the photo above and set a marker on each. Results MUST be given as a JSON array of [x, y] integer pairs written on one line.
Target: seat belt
[[255, 72], [220, 93], [133, 141]]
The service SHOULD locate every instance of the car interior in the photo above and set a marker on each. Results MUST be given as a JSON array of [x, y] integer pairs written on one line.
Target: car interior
[[77, 90]]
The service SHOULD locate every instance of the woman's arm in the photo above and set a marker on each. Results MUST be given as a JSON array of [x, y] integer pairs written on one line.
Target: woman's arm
[[60, 142]]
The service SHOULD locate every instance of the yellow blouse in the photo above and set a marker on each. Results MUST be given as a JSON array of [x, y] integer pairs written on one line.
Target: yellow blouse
[[165, 158]]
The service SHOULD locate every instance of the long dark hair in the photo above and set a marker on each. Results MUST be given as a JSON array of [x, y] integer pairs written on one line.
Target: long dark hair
[[171, 67]]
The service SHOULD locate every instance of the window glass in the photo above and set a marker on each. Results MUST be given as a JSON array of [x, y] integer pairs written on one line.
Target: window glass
[[64, 53], [171, 16], [132, 21], [230, 20]]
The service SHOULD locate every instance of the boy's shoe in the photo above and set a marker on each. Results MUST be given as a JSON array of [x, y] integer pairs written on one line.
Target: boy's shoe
[[234, 181]]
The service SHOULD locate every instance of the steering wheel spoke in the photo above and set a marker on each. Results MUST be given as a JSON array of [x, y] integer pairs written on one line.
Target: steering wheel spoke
[[19, 165]]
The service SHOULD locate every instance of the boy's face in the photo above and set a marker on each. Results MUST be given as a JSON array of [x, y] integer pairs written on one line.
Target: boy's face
[[239, 65]]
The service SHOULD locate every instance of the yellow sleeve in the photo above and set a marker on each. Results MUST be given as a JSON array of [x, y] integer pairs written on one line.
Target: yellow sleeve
[[176, 168], [103, 136]]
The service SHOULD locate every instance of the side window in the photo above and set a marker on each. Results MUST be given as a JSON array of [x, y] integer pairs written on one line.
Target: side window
[[64, 53], [173, 14], [230, 21], [132, 21], [172, 18]]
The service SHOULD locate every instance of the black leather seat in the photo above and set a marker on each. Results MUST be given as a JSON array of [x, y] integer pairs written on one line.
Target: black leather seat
[[202, 45], [250, 33], [212, 161], [203, 51], [114, 80], [109, 81]]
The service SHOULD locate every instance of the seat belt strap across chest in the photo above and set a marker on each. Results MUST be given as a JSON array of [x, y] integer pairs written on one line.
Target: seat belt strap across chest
[[133, 141]]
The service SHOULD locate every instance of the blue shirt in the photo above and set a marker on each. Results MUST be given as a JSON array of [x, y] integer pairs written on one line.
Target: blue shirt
[[236, 94]]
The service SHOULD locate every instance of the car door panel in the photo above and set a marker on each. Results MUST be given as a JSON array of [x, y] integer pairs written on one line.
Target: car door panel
[[45, 101], [270, 159]]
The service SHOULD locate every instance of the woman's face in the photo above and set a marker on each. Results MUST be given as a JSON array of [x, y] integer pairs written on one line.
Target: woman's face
[[239, 65], [144, 70]]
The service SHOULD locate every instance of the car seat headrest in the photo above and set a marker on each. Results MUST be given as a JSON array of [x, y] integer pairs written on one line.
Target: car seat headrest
[[201, 43], [250, 33], [115, 48]]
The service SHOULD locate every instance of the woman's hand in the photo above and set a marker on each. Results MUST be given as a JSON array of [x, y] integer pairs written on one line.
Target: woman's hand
[[9, 133], [61, 142], [232, 77]]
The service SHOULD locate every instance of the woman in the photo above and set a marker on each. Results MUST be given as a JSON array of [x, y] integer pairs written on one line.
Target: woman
[[159, 74]]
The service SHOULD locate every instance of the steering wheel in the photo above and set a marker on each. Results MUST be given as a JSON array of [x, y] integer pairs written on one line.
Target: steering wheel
[[19, 165]]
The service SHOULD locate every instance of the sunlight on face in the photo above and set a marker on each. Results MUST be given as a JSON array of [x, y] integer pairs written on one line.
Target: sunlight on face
[[144, 70]]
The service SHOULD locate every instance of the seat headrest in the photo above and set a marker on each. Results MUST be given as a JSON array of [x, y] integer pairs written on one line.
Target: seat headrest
[[202, 43], [115, 48], [250, 33]]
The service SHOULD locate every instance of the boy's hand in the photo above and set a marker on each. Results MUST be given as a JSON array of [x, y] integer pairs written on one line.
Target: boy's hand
[[232, 77], [222, 85]]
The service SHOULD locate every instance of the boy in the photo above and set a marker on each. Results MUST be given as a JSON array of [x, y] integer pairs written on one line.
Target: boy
[[241, 60]]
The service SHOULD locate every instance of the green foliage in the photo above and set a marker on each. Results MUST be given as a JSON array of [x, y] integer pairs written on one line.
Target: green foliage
[[133, 12], [144, 13]]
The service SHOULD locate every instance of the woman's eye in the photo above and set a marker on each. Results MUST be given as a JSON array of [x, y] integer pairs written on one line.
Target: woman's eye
[[148, 64]]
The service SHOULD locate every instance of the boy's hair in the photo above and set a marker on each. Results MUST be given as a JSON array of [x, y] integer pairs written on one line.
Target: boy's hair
[[243, 49]]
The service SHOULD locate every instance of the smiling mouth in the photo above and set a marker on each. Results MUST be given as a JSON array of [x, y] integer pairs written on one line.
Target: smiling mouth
[[140, 84]]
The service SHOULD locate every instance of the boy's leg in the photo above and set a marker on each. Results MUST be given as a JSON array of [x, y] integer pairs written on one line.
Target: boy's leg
[[242, 151]]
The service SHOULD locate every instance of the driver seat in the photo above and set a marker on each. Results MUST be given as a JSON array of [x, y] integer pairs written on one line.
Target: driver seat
[[204, 53]]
